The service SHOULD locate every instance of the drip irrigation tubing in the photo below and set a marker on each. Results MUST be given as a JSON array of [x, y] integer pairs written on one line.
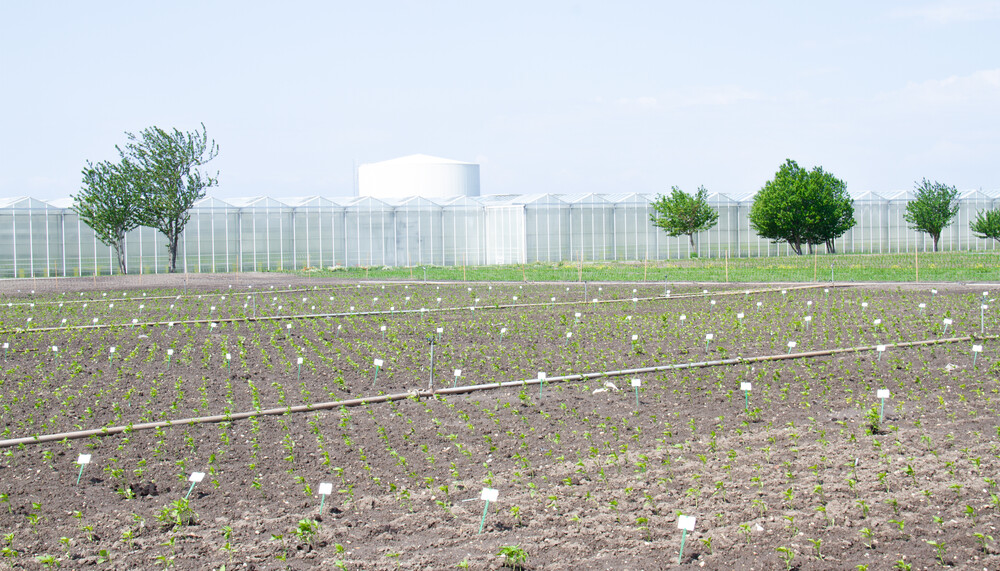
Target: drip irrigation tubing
[[431, 393], [19, 330]]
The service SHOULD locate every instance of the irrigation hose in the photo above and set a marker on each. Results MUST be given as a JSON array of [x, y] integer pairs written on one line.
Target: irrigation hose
[[430, 393], [20, 330]]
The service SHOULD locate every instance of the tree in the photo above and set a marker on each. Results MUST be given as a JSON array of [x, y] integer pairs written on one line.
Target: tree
[[932, 210], [109, 203], [802, 207], [987, 224], [683, 213], [164, 167]]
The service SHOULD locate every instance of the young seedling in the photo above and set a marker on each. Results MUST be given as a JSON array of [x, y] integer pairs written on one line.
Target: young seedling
[[514, 556], [488, 495], [82, 460], [325, 489], [685, 523], [194, 478]]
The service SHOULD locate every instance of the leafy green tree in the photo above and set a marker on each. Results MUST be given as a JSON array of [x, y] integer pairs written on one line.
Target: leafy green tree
[[109, 202], [933, 209], [802, 207], [164, 165], [682, 213], [987, 224]]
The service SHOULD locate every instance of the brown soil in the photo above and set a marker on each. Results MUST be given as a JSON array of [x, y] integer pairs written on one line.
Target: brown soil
[[586, 478]]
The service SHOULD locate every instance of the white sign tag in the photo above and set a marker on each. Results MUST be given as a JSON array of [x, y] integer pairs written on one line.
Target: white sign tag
[[170, 351], [541, 375], [489, 495], [882, 393], [196, 477], [880, 348], [635, 338], [636, 383], [378, 362], [382, 328], [440, 329], [977, 348], [877, 322], [922, 305], [739, 315], [83, 459], [709, 336], [947, 321], [458, 372], [686, 522], [683, 317], [300, 360], [792, 344], [746, 386], [325, 489]]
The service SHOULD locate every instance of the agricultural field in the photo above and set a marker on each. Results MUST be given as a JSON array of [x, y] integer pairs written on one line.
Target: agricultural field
[[811, 466]]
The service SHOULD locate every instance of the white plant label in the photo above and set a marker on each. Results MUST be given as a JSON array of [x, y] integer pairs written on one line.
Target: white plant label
[[378, 362], [578, 314], [489, 494], [746, 387], [686, 522], [877, 322], [636, 383], [880, 348], [458, 372], [635, 338], [809, 318], [382, 328], [760, 303], [541, 376], [792, 344], [196, 477], [299, 360], [739, 315], [922, 306], [111, 350], [440, 329], [170, 352], [83, 459], [709, 336], [984, 307], [683, 317], [947, 321], [503, 330], [809, 303], [325, 489], [882, 393], [977, 348], [229, 357]]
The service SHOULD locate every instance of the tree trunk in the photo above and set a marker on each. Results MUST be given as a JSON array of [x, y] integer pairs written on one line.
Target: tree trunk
[[831, 247], [172, 253], [796, 246], [119, 248], [935, 238], [691, 240], [810, 248]]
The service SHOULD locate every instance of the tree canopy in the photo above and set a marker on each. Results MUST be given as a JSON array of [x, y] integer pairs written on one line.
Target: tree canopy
[[109, 203], [987, 224], [802, 207], [932, 209], [155, 184], [165, 170], [682, 213]]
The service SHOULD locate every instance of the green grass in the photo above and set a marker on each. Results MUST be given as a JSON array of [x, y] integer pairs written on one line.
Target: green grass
[[933, 267]]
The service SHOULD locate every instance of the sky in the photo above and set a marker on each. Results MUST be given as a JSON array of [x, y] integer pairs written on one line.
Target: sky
[[554, 96]]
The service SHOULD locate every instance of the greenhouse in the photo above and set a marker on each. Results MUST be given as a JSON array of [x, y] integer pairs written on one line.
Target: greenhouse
[[47, 239]]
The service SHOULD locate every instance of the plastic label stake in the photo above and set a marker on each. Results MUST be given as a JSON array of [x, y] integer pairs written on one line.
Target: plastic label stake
[[111, 355], [458, 373], [976, 350], [708, 339], [541, 382], [882, 394], [791, 345], [880, 349], [378, 365], [685, 523], [83, 460], [946, 322], [194, 479], [299, 361], [489, 495], [325, 489], [746, 388], [636, 383]]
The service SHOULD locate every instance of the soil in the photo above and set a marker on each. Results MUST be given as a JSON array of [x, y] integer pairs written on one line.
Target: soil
[[589, 475]]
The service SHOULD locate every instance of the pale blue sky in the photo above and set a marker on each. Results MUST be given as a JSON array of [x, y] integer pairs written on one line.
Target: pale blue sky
[[547, 96]]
